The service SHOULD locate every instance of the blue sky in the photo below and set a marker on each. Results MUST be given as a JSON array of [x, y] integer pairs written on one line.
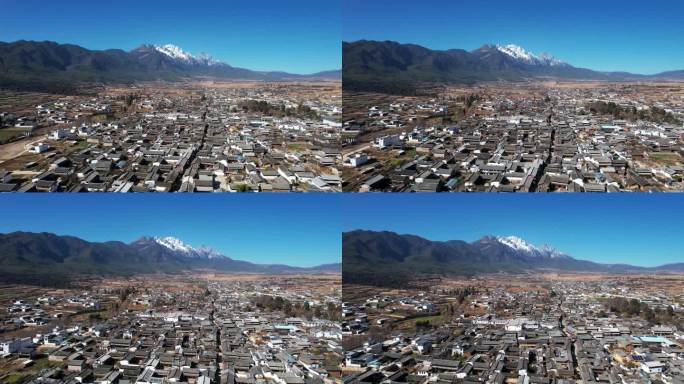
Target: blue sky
[[293, 229], [298, 36], [611, 35], [638, 229]]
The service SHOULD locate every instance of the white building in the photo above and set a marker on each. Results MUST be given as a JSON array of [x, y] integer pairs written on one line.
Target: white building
[[652, 366], [13, 346], [358, 159], [37, 147], [387, 141], [59, 134]]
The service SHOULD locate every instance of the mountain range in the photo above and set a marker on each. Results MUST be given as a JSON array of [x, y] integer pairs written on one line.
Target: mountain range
[[46, 65], [391, 258], [30, 257], [387, 65]]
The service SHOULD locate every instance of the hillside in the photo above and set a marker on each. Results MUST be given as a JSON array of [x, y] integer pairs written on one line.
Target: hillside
[[388, 258], [47, 258], [49, 66], [389, 66]]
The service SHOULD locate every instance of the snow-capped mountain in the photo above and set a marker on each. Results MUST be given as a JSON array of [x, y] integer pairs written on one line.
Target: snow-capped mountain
[[176, 53], [517, 52], [173, 244], [206, 59], [524, 248], [178, 247], [393, 65], [26, 66], [47, 257], [548, 59], [520, 54], [392, 256]]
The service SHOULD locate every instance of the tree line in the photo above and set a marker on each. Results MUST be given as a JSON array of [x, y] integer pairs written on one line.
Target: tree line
[[654, 114], [330, 311], [51, 280], [634, 307], [460, 293], [280, 110], [388, 279]]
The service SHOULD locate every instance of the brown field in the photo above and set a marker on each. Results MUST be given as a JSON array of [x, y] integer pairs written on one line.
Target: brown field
[[217, 276]]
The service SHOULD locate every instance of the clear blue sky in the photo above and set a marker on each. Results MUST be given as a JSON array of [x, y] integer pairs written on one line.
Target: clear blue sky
[[298, 36], [638, 229], [610, 35], [293, 229]]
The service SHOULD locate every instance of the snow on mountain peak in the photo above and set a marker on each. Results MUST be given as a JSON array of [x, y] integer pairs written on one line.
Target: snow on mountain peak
[[209, 252], [177, 245], [177, 53], [515, 243], [551, 251], [550, 60], [522, 246], [519, 53], [174, 52], [173, 244], [207, 59], [516, 52]]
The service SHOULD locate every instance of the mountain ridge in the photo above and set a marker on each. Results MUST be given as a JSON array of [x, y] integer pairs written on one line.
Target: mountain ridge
[[385, 256], [30, 256], [51, 66], [370, 65], [176, 245]]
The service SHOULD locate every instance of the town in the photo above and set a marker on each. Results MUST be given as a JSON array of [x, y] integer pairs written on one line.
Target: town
[[195, 136], [545, 136], [542, 328], [195, 328]]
